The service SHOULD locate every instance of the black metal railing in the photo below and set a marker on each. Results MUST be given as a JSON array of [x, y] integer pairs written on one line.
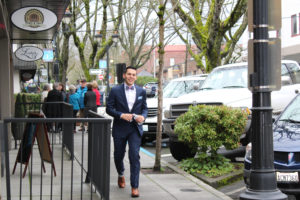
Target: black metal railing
[[57, 170]]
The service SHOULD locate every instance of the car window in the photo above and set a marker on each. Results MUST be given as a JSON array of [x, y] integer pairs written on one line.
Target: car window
[[177, 88], [285, 76], [230, 77], [294, 72], [292, 112]]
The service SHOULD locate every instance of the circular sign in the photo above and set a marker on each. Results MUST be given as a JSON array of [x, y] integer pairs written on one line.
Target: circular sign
[[29, 53], [100, 77], [34, 18]]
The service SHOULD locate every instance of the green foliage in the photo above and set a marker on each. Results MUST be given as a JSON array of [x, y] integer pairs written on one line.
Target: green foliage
[[24, 101], [31, 98], [19, 107], [210, 166], [210, 127], [142, 80]]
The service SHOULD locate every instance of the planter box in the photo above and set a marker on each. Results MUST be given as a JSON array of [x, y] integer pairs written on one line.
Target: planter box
[[17, 130]]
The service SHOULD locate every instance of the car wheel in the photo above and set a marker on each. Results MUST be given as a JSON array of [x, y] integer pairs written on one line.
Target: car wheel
[[180, 150]]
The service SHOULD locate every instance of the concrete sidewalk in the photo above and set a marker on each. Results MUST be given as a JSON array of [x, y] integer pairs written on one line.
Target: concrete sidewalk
[[176, 185]]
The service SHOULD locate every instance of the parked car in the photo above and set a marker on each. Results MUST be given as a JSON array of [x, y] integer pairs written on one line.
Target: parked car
[[286, 140], [150, 88], [227, 85], [171, 91]]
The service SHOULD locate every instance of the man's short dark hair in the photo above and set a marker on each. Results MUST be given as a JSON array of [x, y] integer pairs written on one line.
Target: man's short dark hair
[[83, 81], [130, 67]]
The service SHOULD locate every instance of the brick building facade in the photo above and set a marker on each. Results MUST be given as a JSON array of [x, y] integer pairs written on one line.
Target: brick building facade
[[174, 62]]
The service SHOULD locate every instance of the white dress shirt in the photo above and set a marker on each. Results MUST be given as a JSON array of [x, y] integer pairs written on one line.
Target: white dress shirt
[[130, 96]]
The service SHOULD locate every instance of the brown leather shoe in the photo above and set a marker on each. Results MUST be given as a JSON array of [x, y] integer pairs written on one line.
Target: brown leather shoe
[[121, 182], [135, 192]]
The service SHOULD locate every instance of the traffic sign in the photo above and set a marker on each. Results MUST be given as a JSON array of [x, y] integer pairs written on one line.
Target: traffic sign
[[100, 76], [96, 71], [102, 64]]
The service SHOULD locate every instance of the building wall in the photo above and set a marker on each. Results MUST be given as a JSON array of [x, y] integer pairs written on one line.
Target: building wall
[[290, 42], [16, 81], [174, 62], [289, 9]]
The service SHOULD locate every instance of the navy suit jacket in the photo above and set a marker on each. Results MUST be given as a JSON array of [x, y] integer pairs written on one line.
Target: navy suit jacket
[[117, 104]]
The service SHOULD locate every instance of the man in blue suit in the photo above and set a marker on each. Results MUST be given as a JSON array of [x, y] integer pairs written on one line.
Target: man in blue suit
[[127, 104]]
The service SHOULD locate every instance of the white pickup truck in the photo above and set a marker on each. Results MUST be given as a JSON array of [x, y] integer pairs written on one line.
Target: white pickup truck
[[227, 85], [174, 89]]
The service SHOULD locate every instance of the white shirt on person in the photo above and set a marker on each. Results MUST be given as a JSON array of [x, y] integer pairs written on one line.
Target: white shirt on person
[[130, 96]]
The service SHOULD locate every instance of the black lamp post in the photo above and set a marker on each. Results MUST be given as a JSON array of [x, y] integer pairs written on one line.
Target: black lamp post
[[67, 16], [262, 175], [115, 37]]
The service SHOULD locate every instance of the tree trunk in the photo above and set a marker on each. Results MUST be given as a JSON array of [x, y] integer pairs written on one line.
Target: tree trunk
[[161, 12], [65, 58]]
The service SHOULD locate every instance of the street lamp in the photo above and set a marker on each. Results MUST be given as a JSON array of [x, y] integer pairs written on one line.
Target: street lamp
[[99, 37], [262, 175], [67, 16]]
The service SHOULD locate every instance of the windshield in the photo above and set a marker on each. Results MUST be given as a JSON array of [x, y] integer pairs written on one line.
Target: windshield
[[292, 113], [177, 88], [231, 77]]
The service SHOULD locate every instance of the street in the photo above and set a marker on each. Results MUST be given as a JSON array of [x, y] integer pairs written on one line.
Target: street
[[233, 190]]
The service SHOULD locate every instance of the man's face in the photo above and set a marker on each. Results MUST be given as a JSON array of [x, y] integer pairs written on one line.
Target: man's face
[[130, 76], [83, 84]]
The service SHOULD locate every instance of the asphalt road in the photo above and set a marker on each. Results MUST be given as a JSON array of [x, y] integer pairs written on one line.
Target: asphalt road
[[233, 190]]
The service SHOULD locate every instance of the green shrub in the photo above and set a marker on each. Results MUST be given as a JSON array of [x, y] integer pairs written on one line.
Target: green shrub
[[31, 98], [19, 107], [210, 127], [18, 128], [142, 80], [207, 165]]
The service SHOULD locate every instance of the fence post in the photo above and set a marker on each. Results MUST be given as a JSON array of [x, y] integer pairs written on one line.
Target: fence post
[[4, 143]]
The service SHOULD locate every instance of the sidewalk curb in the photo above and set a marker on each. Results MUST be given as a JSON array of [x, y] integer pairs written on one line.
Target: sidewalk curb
[[190, 177]]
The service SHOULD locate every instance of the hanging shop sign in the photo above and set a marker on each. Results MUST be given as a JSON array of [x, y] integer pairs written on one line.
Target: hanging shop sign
[[29, 53], [34, 18], [48, 55]]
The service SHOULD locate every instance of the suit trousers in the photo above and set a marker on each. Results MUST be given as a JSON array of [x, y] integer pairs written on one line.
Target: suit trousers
[[134, 142]]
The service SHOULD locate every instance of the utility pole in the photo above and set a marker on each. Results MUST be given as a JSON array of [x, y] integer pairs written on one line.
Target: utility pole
[[262, 176]]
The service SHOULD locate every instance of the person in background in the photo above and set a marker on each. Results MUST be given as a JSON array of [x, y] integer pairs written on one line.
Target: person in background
[[81, 92], [89, 100], [46, 89], [54, 110], [98, 96], [62, 90], [74, 100]]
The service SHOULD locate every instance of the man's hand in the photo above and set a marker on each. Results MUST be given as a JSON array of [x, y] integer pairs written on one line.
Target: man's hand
[[127, 117], [139, 118]]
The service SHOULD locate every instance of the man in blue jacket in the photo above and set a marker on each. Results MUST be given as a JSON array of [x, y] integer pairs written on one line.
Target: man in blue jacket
[[81, 92], [127, 104]]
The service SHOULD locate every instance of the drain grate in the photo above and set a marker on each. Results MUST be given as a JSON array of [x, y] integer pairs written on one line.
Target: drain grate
[[190, 190]]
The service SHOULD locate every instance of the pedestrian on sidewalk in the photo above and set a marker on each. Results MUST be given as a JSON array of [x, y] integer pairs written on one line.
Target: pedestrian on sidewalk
[[96, 90], [74, 100], [81, 92], [127, 104], [89, 100]]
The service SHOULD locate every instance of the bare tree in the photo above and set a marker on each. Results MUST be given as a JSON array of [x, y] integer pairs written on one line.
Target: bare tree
[[215, 26], [138, 31], [88, 11]]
